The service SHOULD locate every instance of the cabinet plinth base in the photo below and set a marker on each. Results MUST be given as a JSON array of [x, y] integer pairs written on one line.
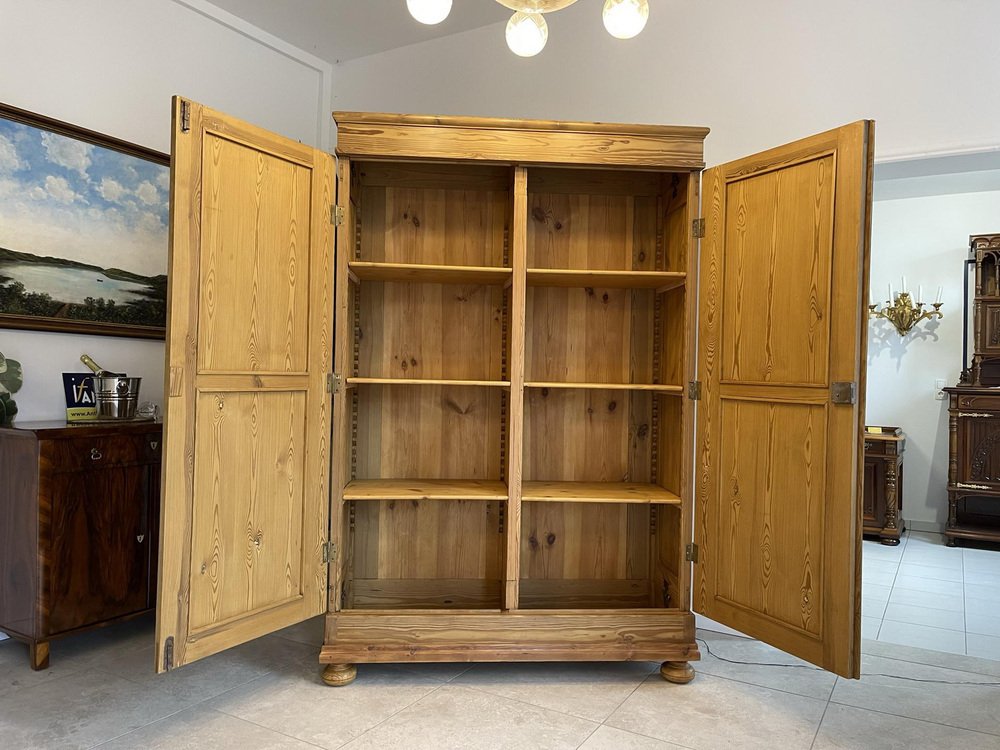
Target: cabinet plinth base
[[363, 637], [678, 672], [338, 675]]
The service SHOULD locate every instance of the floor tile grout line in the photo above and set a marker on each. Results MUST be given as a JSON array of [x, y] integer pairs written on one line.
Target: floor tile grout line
[[144, 726], [393, 714], [533, 705], [268, 729], [767, 687], [914, 718], [935, 666], [819, 725]]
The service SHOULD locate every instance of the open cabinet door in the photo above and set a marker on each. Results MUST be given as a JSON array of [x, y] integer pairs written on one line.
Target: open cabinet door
[[247, 420], [781, 357]]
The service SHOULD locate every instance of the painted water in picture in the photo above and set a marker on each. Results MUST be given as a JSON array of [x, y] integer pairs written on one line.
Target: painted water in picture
[[83, 234]]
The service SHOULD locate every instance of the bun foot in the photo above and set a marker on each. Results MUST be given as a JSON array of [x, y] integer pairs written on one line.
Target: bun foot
[[338, 675], [678, 672]]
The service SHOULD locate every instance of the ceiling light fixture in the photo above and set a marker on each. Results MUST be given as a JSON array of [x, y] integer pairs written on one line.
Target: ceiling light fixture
[[527, 30]]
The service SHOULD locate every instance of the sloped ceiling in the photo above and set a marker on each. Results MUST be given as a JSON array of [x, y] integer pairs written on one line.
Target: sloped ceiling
[[336, 30]]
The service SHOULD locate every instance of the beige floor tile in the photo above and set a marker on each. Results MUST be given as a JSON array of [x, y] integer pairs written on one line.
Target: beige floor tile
[[609, 738], [310, 631], [922, 636], [216, 674], [712, 712], [201, 728], [847, 728], [799, 677], [461, 718], [956, 662], [588, 690], [964, 706], [298, 704], [80, 712], [15, 674]]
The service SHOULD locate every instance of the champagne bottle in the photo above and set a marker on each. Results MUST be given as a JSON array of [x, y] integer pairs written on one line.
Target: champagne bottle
[[98, 370]]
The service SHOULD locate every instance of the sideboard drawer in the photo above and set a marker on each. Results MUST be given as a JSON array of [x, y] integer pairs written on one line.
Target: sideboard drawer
[[84, 453], [981, 403]]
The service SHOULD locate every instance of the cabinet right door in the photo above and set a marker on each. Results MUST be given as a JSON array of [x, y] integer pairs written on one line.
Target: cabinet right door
[[781, 357]]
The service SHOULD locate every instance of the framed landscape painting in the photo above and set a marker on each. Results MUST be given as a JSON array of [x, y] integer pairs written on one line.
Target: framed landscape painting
[[83, 230]]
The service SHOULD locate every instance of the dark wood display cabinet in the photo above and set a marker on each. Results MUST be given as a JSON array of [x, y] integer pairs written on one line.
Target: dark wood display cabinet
[[883, 489], [79, 517]]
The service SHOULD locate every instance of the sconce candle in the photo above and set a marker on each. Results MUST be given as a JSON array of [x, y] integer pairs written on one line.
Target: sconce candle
[[903, 312]]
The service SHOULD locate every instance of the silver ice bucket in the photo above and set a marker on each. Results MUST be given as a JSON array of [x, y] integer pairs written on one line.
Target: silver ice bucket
[[116, 397]]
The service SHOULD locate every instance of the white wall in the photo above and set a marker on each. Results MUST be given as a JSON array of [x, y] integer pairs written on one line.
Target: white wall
[[925, 237], [112, 66], [758, 73]]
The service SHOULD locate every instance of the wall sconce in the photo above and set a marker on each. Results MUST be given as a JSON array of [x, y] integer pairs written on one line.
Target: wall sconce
[[903, 312]]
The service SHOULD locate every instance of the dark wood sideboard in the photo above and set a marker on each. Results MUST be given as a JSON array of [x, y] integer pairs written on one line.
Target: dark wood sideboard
[[79, 518], [883, 488], [973, 464]]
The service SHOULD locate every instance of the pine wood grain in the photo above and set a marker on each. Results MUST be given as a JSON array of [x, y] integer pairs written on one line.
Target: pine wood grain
[[249, 347], [428, 273], [518, 141], [424, 489], [661, 281], [779, 510], [596, 492], [560, 635]]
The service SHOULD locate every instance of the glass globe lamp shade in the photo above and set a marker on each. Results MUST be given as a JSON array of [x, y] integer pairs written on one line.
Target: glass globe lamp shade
[[527, 33], [624, 19], [429, 12]]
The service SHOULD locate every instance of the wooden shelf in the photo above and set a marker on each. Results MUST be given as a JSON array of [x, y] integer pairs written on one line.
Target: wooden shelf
[[430, 274], [425, 489], [659, 280], [426, 381], [596, 492], [675, 389]]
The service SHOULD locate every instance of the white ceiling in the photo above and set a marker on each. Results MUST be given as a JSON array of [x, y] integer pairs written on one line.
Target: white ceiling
[[336, 30]]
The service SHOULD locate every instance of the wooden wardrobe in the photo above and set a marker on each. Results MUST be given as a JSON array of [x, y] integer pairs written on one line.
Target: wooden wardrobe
[[513, 390]]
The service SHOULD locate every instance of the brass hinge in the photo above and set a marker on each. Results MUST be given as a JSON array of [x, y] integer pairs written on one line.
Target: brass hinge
[[691, 552], [964, 486], [336, 215], [185, 116], [843, 392], [330, 552], [168, 653], [333, 382], [694, 390], [698, 228]]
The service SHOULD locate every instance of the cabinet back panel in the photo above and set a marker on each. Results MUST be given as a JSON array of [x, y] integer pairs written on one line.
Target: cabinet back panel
[[584, 541], [397, 539], [266, 205], [587, 435], [257, 499], [435, 214], [588, 219], [428, 432], [449, 331], [590, 335]]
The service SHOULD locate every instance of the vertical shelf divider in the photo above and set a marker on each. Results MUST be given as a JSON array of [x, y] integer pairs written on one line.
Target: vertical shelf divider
[[515, 428]]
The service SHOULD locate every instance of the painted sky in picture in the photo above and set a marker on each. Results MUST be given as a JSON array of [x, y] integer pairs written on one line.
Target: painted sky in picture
[[69, 199]]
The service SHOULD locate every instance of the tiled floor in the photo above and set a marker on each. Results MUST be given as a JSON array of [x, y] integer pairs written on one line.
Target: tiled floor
[[925, 594], [100, 692]]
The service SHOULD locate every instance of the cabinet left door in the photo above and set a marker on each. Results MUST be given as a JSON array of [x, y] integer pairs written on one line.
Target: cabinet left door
[[246, 460]]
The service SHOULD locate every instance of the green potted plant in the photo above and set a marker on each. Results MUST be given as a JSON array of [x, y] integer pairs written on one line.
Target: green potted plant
[[11, 378]]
